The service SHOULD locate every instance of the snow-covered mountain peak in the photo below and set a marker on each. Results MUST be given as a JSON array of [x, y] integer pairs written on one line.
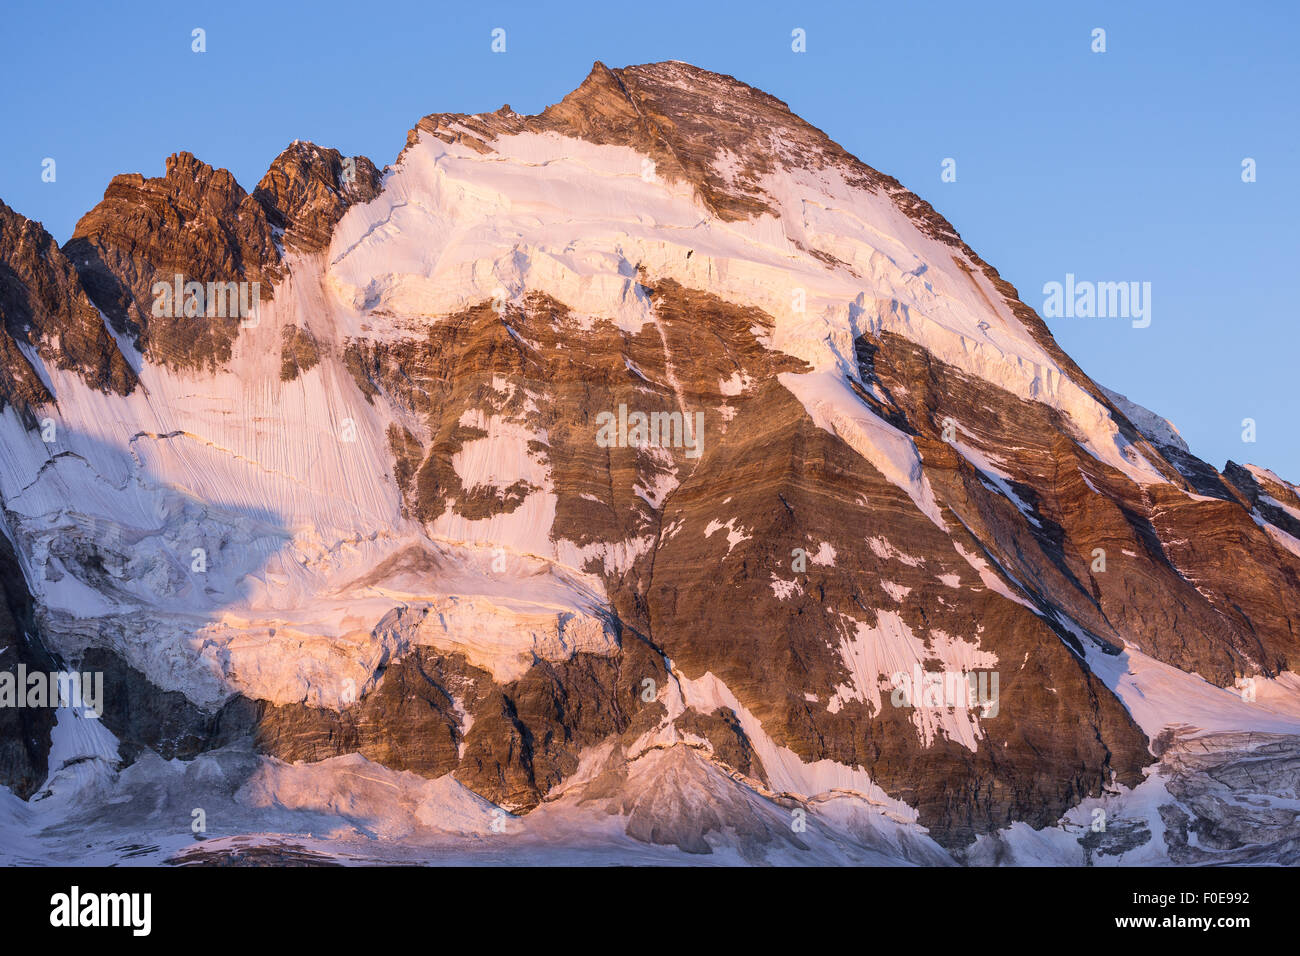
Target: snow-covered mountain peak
[[649, 438]]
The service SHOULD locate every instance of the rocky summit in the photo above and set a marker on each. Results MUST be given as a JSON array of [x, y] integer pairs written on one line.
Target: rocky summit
[[644, 480]]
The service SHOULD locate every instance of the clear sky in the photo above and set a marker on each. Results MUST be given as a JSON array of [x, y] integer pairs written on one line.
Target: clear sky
[[1116, 166]]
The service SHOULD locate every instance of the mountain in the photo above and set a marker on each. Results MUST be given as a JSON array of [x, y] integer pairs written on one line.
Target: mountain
[[644, 480]]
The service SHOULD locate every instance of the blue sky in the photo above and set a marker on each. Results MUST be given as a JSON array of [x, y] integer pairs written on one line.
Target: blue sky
[[1115, 166]]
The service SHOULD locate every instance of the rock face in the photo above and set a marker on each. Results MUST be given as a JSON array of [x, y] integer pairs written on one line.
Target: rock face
[[308, 189], [195, 222], [45, 312], [1208, 776], [24, 732], [649, 454]]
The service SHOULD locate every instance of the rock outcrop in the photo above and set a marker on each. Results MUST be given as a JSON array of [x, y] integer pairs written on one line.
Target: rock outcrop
[[45, 312], [194, 222], [308, 189]]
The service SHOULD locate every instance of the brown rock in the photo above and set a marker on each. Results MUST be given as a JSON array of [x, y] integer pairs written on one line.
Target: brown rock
[[308, 189], [44, 307], [195, 222]]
